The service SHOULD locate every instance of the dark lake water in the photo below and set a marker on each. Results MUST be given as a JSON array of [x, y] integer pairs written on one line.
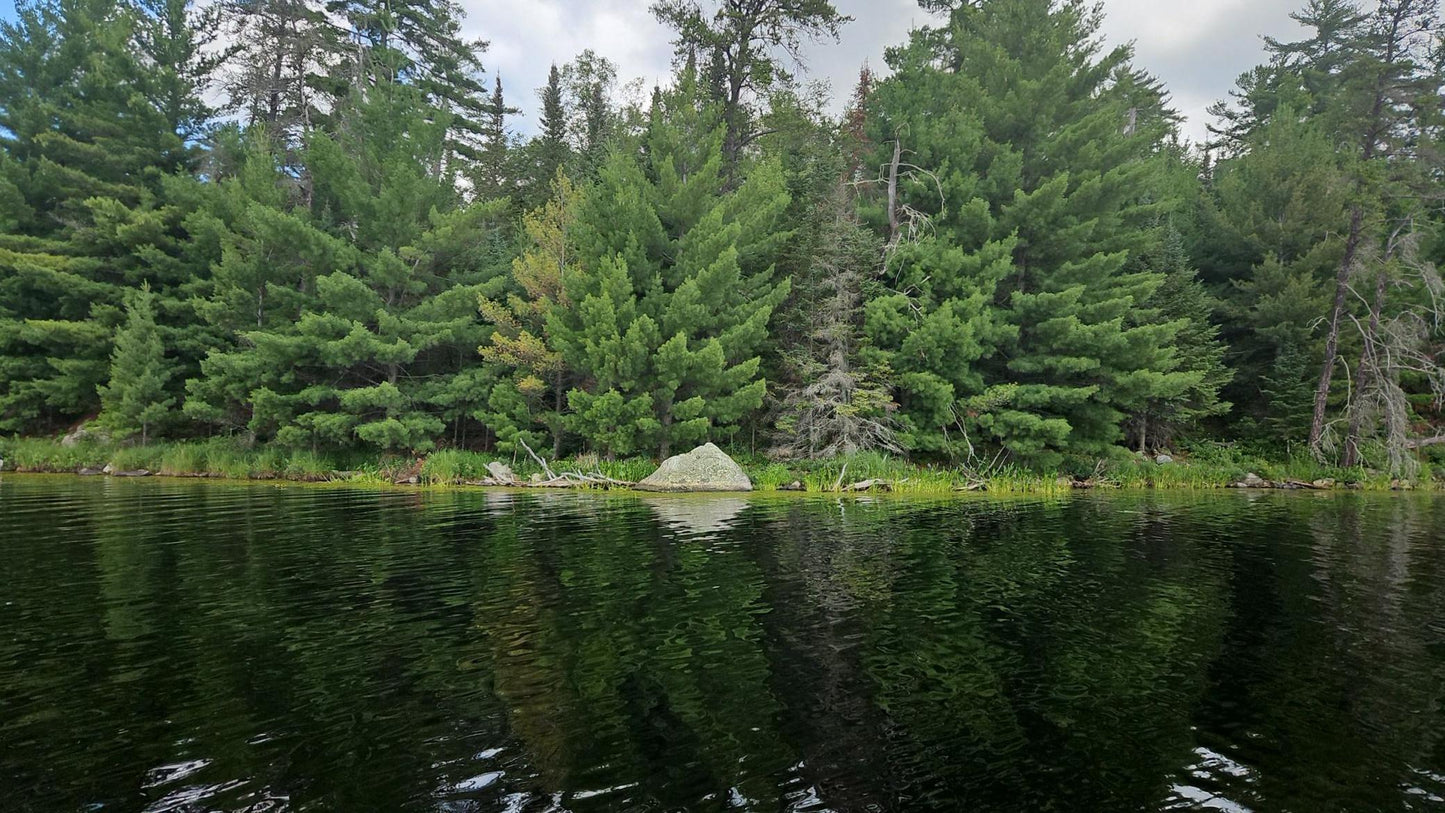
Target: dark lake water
[[185, 646]]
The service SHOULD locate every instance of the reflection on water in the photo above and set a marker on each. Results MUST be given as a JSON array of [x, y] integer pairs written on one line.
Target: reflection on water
[[694, 515], [193, 646]]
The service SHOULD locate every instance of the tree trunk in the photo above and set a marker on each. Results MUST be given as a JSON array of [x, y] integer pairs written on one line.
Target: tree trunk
[[893, 191], [557, 424], [1370, 141], [1332, 339], [665, 448], [734, 116], [1369, 370], [273, 110]]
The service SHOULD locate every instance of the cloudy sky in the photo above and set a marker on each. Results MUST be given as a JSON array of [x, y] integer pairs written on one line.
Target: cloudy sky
[[1197, 47]]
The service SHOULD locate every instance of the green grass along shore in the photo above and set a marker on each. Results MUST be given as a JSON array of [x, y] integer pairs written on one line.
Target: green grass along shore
[[1208, 467]]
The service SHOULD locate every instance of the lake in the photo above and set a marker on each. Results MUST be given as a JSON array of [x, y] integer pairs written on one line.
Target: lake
[[188, 646]]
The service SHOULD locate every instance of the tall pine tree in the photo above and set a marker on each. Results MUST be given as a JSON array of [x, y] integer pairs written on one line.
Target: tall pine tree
[[97, 99], [492, 174], [1033, 178], [665, 324], [532, 392]]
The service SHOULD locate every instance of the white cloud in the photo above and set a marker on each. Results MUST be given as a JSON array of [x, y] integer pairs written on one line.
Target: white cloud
[[528, 36], [1198, 47]]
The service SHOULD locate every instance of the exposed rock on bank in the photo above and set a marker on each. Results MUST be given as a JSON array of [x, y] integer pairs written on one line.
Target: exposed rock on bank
[[706, 468], [1252, 480], [84, 433]]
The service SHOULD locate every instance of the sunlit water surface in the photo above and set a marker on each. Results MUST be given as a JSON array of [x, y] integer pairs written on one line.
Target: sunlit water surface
[[186, 646]]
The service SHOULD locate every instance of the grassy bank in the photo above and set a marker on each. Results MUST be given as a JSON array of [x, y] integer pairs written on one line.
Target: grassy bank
[[1206, 468]]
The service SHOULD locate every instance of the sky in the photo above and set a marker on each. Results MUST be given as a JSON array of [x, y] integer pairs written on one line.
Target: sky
[[1198, 47]]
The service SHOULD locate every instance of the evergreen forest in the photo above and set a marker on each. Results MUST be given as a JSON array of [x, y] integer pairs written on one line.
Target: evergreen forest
[[317, 225]]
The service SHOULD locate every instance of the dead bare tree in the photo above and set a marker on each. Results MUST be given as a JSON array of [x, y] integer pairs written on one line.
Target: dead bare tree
[[842, 409], [1395, 342], [904, 221]]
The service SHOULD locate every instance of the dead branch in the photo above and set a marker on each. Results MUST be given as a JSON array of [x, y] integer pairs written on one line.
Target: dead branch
[[546, 468]]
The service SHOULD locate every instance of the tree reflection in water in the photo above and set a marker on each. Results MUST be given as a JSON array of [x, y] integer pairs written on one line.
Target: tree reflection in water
[[239, 647]]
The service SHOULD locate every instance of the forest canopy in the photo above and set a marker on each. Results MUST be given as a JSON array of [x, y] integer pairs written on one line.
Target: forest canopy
[[314, 224]]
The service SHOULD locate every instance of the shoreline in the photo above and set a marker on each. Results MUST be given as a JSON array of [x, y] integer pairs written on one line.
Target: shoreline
[[859, 474], [1041, 492]]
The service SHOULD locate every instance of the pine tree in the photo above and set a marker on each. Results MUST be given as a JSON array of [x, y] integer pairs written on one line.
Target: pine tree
[[589, 82], [79, 110], [420, 44], [838, 404], [1022, 320], [553, 138], [177, 42], [825, 398], [535, 388], [1301, 78], [1377, 113], [666, 321], [355, 315], [1269, 243], [1183, 300], [277, 77], [135, 400], [492, 176], [1337, 120], [96, 99], [53, 348]]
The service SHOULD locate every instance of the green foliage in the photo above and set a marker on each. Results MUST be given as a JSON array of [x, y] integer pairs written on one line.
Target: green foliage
[[666, 324], [534, 377], [98, 98], [737, 50], [136, 399], [492, 173], [1019, 309], [588, 83], [1183, 300], [549, 153], [358, 340], [54, 334]]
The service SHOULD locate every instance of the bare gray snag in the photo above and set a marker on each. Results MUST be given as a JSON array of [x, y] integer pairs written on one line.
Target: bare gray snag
[[1396, 342], [841, 410]]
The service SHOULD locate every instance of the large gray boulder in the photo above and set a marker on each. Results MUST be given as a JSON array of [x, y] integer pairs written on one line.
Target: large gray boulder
[[705, 468]]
